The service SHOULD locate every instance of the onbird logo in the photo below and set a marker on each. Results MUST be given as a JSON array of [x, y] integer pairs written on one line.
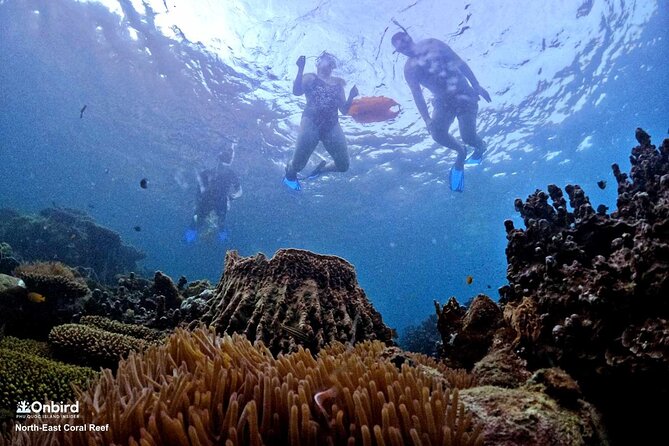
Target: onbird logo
[[23, 407]]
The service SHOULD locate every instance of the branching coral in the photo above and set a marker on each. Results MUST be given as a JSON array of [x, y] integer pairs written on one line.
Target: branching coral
[[24, 376], [198, 388], [26, 346], [91, 345]]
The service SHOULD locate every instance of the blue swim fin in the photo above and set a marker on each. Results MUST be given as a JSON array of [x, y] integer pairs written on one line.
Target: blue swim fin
[[292, 184], [457, 179], [317, 171], [474, 160], [190, 235]]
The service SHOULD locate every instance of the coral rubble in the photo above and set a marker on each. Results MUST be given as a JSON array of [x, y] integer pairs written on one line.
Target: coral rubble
[[295, 298]]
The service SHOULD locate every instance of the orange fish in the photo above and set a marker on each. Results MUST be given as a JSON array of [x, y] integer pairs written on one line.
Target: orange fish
[[373, 109], [36, 297], [469, 279]]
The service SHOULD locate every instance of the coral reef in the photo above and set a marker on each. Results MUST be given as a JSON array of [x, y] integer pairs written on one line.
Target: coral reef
[[26, 376], [588, 291], [502, 367], [92, 346], [133, 330], [60, 288], [26, 346], [199, 388], [52, 279], [295, 298], [7, 260], [513, 417], [163, 286], [423, 338], [467, 333], [71, 236], [140, 301]]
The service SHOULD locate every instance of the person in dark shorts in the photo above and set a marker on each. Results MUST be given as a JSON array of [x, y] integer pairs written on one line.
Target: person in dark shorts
[[434, 65], [216, 188], [320, 119]]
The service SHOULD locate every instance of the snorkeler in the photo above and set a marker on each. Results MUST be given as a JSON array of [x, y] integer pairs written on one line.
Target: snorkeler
[[217, 187], [320, 120], [435, 66]]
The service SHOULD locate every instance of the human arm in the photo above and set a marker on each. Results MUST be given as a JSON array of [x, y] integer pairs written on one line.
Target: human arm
[[469, 74], [298, 89], [345, 105], [411, 78]]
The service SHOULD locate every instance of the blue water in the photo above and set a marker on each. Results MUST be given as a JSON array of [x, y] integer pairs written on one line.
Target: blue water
[[410, 239]]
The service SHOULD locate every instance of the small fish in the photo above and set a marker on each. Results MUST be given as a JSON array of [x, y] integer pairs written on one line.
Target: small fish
[[73, 236], [144, 183], [601, 184], [137, 228], [35, 297], [295, 332], [470, 279], [489, 287], [81, 112]]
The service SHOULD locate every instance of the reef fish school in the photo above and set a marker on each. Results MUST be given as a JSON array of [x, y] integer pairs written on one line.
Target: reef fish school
[[61, 427]]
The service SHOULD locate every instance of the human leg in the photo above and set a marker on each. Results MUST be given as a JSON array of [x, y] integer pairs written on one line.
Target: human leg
[[307, 140], [442, 118], [199, 216], [335, 144], [467, 123]]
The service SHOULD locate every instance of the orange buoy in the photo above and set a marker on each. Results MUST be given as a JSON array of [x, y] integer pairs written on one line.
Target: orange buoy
[[373, 109]]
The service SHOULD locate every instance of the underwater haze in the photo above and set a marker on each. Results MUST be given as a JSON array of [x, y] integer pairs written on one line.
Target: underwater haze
[[167, 84]]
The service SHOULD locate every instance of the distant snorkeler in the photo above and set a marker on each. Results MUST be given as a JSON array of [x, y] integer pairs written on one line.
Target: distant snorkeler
[[217, 187], [320, 119], [434, 65]]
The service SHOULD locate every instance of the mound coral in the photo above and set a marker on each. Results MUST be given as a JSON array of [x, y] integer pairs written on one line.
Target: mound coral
[[199, 388], [295, 298], [92, 346], [52, 279]]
